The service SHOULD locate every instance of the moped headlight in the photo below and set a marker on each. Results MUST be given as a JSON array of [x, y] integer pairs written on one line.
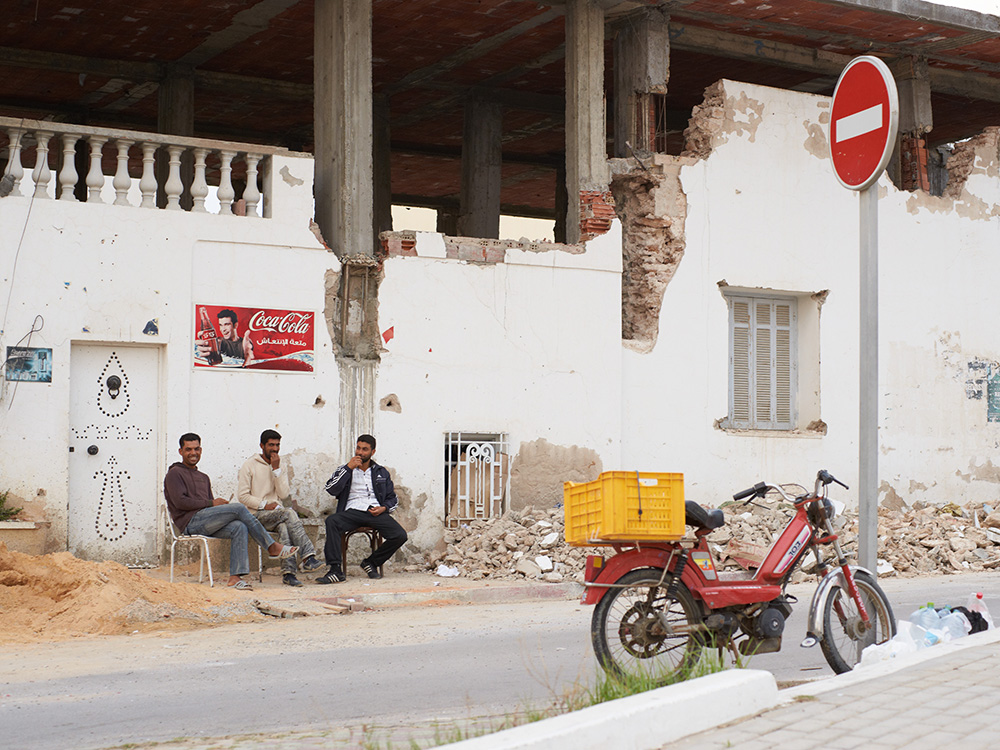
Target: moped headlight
[[820, 510]]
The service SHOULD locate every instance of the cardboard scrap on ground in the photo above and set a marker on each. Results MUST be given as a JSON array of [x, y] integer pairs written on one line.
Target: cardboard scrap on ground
[[745, 555]]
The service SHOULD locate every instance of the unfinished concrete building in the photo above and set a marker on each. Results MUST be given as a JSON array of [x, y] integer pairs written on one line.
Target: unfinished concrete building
[[268, 140]]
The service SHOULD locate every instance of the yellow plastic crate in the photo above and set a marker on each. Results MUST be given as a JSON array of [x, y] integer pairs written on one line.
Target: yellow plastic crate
[[607, 510]]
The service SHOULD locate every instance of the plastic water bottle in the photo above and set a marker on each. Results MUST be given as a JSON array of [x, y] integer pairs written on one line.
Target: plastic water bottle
[[926, 617], [954, 625], [976, 604]]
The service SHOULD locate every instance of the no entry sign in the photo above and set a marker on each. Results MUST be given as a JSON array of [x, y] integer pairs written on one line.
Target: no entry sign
[[863, 122]]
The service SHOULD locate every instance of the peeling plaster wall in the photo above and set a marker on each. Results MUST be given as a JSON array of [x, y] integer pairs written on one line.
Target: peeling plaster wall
[[530, 347], [540, 468], [98, 273], [764, 211]]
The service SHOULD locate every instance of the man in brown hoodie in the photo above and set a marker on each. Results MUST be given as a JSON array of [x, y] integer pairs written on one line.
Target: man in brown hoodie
[[195, 511]]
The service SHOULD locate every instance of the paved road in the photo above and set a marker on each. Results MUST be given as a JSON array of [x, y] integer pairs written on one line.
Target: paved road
[[464, 661], [386, 667]]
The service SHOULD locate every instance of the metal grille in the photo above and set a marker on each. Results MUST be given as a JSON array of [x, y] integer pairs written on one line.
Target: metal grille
[[477, 468]]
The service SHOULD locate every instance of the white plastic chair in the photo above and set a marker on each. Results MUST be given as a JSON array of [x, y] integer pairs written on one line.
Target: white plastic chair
[[206, 555]]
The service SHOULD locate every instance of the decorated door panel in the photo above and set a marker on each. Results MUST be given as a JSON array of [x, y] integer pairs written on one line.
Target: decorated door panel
[[113, 489]]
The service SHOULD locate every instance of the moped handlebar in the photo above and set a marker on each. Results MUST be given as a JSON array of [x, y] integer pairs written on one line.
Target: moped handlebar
[[823, 478], [758, 490]]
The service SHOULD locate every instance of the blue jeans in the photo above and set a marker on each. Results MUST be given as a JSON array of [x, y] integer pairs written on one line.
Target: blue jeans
[[232, 521]]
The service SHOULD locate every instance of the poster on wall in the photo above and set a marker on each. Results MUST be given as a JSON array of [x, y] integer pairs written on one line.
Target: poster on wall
[[227, 337], [993, 394], [26, 363]]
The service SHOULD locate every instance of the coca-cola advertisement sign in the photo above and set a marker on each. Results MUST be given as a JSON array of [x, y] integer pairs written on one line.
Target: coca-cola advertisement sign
[[253, 338]]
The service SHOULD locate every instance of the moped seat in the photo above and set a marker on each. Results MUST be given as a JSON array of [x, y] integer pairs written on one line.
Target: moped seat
[[695, 515]]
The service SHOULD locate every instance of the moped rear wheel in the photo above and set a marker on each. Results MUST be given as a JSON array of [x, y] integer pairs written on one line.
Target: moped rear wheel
[[844, 634], [641, 631]]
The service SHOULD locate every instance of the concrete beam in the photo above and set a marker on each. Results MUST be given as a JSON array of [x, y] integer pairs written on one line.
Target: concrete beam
[[342, 123], [944, 15], [735, 46]]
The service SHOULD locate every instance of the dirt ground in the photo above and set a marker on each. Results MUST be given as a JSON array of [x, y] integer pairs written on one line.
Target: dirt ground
[[57, 596]]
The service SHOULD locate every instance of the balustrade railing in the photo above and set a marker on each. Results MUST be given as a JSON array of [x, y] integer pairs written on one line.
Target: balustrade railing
[[50, 160]]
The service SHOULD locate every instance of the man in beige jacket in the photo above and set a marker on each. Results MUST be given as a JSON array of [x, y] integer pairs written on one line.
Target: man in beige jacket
[[262, 485]]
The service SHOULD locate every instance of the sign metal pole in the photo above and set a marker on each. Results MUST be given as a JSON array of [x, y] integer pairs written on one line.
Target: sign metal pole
[[868, 382], [864, 122]]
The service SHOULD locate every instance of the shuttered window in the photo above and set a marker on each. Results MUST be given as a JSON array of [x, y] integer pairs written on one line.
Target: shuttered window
[[762, 363]]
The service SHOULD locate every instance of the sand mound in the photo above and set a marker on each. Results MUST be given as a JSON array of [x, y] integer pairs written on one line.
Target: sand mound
[[57, 596]]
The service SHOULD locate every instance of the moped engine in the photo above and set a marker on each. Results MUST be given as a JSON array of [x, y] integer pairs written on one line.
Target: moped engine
[[724, 623], [769, 624]]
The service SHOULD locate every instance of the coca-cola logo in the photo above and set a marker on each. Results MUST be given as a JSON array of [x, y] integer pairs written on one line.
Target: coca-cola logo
[[290, 323]]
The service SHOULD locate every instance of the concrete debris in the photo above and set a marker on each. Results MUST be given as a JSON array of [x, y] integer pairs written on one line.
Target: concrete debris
[[912, 541], [525, 543]]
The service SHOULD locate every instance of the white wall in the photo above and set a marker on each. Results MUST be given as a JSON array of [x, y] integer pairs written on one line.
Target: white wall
[[98, 273], [765, 211], [529, 347]]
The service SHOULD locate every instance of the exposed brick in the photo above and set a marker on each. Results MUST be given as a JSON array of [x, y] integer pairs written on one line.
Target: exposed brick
[[913, 162], [597, 211], [399, 243]]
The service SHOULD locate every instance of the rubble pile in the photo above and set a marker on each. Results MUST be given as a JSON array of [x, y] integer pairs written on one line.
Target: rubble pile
[[922, 539], [521, 544]]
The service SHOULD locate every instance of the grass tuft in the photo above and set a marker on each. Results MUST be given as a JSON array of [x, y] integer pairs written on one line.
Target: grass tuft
[[7, 513]]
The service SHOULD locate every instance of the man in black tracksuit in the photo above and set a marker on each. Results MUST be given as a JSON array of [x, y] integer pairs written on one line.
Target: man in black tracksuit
[[365, 497]]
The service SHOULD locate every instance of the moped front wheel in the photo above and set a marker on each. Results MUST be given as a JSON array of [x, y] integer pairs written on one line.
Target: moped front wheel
[[845, 635], [639, 630]]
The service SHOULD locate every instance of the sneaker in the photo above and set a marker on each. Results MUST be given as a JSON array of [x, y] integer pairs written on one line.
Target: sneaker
[[289, 579], [310, 564], [370, 569], [332, 576]]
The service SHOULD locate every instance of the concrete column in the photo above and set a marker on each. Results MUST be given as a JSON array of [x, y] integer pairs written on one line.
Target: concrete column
[[175, 116], [479, 198], [916, 119], [382, 161], [342, 124], [586, 129], [562, 204], [447, 222], [642, 69]]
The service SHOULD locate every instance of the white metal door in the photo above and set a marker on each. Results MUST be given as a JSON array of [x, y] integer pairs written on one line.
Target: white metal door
[[113, 489]]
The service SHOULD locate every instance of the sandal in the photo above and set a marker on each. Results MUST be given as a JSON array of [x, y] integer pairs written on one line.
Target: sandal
[[241, 585], [286, 552]]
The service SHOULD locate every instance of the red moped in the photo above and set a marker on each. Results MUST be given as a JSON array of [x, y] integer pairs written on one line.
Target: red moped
[[659, 604]]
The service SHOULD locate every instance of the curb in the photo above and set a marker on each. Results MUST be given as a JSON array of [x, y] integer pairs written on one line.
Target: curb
[[890, 666], [645, 721]]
